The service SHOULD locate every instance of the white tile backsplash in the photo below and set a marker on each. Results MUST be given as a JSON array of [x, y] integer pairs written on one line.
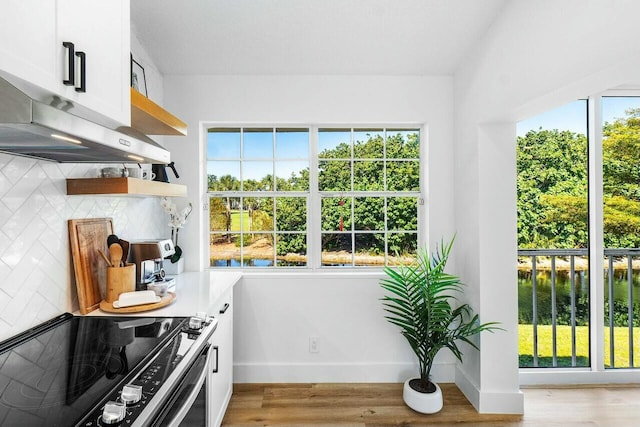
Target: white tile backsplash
[[35, 262]]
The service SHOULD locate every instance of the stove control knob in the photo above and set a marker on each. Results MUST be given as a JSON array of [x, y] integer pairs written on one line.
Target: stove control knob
[[113, 412], [131, 394], [195, 323]]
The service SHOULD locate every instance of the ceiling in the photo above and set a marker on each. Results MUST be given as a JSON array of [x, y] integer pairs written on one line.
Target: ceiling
[[306, 37]]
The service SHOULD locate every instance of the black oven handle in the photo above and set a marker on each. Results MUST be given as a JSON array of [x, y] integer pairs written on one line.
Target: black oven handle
[[184, 409]]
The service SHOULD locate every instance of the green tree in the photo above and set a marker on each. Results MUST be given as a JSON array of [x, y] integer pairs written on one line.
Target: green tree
[[552, 186], [291, 216], [375, 162], [225, 183], [621, 156], [552, 189], [218, 218], [621, 181]]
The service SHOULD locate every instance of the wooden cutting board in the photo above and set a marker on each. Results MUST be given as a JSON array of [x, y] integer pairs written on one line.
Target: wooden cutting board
[[86, 236], [166, 300]]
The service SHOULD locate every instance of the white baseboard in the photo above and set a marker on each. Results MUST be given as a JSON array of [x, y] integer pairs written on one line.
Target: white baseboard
[[335, 372], [468, 388], [485, 402]]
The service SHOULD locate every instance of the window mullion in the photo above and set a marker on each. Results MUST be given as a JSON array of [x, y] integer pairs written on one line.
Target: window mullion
[[596, 234], [385, 198], [352, 198], [274, 198], [314, 203], [423, 207]]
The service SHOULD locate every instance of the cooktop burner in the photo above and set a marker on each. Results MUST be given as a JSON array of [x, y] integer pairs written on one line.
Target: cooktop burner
[[53, 376]]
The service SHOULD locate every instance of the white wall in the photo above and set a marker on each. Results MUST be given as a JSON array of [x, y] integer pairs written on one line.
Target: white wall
[[153, 77], [536, 56], [276, 314], [35, 262]]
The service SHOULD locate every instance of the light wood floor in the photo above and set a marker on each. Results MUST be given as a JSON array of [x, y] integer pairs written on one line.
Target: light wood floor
[[381, 405]]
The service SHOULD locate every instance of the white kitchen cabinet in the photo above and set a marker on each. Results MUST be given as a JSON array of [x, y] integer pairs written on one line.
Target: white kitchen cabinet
[[28, 43], [220, 381], [33, 58]]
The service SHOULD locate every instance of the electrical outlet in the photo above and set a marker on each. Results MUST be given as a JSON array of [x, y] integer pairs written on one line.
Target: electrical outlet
[[313, 345]]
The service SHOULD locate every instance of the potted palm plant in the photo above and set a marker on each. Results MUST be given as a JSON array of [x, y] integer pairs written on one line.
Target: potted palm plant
[[420, 303]]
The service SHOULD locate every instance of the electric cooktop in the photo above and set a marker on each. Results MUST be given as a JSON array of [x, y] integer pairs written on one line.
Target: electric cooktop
[[56, 373]]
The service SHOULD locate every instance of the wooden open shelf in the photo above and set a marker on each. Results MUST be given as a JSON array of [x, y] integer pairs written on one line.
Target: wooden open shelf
[[151, 119], [122, 186]]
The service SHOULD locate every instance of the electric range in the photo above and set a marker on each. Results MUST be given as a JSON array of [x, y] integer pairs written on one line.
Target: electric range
[[97, 371]]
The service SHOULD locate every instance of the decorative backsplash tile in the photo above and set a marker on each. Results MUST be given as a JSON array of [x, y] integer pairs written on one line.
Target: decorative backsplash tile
[[35, 262]]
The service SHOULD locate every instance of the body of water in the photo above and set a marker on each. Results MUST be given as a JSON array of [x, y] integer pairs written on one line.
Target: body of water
[[254, 262], [563, 294]]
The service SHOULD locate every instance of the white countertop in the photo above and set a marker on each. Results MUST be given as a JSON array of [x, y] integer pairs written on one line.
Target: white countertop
[[195, 291]]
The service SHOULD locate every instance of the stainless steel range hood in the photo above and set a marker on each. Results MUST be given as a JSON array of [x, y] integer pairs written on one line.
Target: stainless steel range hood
[[34, 129]]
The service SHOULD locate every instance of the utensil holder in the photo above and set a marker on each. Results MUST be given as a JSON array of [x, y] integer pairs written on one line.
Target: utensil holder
[[119, 280]]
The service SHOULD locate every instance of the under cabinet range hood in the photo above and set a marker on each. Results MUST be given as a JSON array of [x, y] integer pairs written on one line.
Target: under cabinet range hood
[[33, 129]]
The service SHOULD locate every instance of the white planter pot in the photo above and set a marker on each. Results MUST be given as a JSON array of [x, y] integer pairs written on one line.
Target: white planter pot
[[425, 403], [173, 268]]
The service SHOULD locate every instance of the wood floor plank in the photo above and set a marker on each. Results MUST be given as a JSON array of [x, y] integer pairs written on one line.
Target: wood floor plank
[[246, 401], [333, 395], [381, 405]]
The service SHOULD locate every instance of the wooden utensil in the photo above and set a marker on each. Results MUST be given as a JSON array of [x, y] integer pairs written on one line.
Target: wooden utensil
[[105, 258], [125, 251], [115, 254], [86, 236]]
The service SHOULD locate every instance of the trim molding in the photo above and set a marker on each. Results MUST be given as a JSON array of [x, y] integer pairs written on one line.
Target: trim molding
[[489, 402], [558, 377], [335, 372]]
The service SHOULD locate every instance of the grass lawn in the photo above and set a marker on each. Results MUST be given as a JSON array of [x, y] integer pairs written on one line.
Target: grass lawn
[[563, 339], [236, 219]]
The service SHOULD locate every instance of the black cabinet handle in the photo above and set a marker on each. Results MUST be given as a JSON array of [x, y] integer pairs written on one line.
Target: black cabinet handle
[[83, 68], [224, 308], [71, 77], [215, 369]]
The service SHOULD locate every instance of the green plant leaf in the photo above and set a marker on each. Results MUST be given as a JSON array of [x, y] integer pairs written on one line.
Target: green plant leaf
[[421, 303]]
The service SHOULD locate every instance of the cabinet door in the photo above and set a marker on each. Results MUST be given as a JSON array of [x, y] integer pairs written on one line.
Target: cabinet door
[[100, 29], [221, 378], [28, 44]]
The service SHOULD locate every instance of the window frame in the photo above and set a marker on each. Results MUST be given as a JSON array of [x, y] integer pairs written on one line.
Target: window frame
[[314, 196], [596, 372]]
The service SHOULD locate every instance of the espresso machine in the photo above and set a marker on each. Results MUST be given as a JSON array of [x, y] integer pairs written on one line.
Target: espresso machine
[[148, 256]]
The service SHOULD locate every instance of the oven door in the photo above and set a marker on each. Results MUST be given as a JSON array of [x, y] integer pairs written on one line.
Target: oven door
[[187, 406]]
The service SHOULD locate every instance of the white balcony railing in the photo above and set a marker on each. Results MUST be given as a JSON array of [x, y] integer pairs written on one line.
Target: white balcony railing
[[554, 301]]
